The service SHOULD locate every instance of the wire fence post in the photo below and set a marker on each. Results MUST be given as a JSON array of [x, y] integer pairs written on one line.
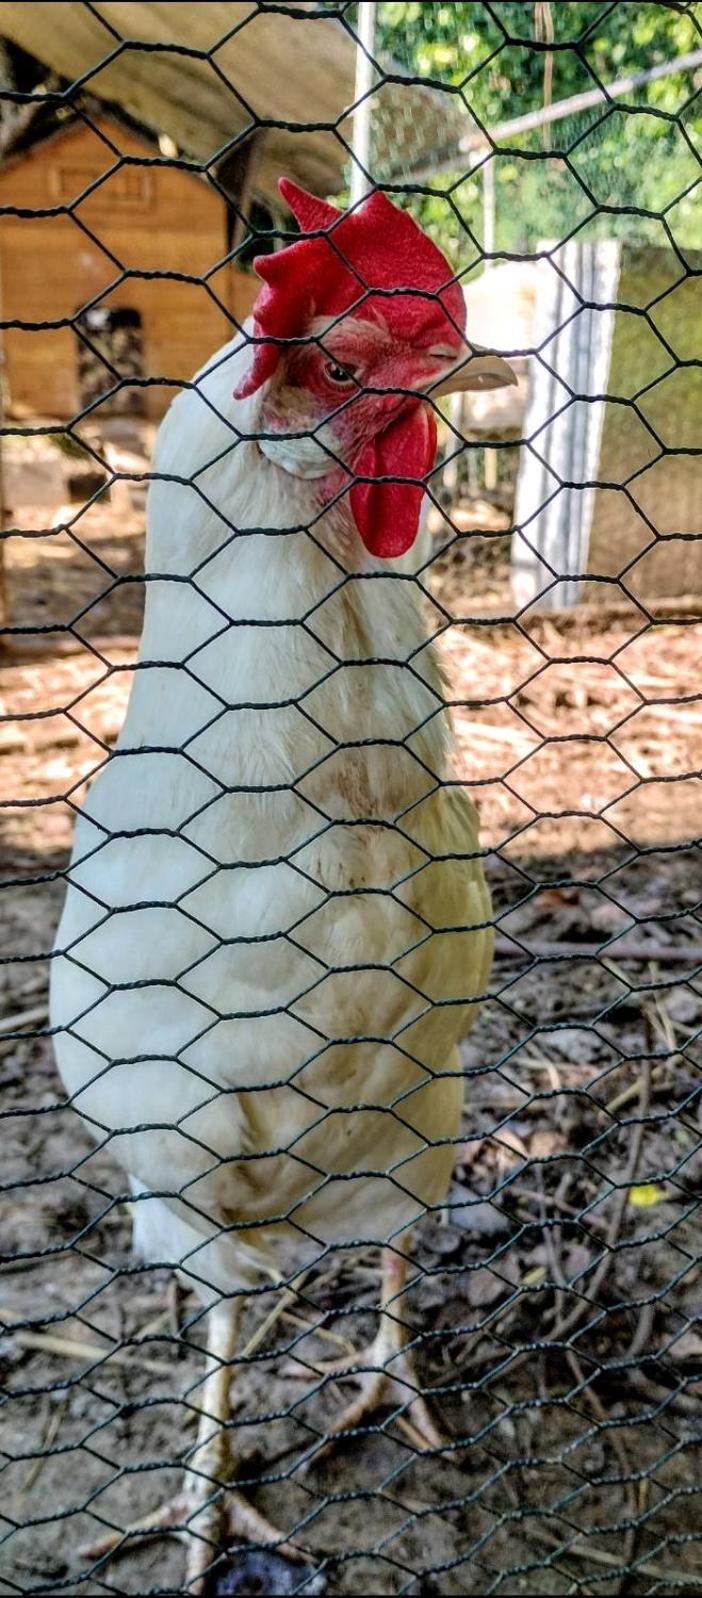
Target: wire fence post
[[361, 180]]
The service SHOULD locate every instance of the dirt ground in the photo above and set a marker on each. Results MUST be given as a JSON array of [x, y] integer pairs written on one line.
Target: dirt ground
[[557, 1304]]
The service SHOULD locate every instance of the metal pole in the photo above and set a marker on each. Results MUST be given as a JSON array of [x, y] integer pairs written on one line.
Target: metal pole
[[361, 140], [488, 213], [456, 401], [490, 459], [446, 160], [582, 102]]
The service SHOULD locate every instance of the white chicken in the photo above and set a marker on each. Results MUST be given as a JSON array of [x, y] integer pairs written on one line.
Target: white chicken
[[277, 928]]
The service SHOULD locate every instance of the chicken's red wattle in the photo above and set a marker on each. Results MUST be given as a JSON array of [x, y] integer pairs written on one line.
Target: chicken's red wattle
[[387, 513]]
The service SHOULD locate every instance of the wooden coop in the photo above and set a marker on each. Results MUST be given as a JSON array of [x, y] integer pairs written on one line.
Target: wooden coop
[[247, 94], [79, 269], [90, 253]]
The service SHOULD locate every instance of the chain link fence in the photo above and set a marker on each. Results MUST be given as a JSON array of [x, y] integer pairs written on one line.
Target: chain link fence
[[282, 1045]]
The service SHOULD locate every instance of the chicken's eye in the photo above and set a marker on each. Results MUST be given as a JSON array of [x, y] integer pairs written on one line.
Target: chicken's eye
[[340, 374]]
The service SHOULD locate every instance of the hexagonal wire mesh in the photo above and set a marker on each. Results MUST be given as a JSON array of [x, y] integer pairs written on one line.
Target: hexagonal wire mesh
[[276, 928]]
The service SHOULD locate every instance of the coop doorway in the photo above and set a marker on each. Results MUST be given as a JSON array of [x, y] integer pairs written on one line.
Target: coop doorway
[[110, 359]]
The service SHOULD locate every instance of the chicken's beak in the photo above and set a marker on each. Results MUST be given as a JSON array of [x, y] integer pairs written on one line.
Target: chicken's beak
[[476, 369]]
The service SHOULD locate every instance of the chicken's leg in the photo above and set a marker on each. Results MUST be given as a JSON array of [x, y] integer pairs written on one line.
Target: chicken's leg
[[207, 1508], [391, 1378]]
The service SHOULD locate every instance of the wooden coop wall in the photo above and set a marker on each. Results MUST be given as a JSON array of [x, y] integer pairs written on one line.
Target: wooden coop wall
[[140, 219]]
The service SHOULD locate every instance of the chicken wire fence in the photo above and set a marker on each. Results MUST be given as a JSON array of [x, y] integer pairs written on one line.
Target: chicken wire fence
[[276, 926]]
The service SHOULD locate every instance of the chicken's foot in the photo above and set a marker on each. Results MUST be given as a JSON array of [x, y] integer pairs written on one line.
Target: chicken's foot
[[385, 1372], [208, 1510]]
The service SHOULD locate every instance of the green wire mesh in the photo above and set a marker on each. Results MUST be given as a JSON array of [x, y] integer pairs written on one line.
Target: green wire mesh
[[554, 1304]]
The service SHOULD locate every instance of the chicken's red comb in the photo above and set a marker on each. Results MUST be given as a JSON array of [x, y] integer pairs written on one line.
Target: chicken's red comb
[[343, 261]]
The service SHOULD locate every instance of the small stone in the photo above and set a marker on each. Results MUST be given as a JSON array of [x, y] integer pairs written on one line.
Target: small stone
[[252, 1571]]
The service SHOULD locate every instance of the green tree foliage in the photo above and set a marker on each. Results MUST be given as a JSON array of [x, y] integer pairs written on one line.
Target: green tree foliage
[[631, 169]]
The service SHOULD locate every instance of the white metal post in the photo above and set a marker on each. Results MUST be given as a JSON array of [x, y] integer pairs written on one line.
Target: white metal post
[[488, 172], [361, 140], [489, 455]]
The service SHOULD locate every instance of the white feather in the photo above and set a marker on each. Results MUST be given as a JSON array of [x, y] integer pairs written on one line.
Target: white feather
[[204, 984]]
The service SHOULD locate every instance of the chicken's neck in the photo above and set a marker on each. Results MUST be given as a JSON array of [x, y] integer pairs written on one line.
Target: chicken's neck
[[271, 663]]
